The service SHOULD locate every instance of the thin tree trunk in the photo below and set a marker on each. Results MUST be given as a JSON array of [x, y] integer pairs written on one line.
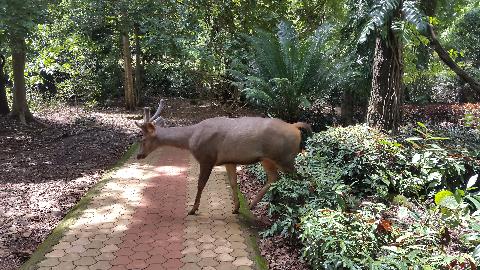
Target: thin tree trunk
[[139, 69], [4, 109], [130, 99], [445, 57], [20, 106], [430, 7], [384, 109], [347, 107]]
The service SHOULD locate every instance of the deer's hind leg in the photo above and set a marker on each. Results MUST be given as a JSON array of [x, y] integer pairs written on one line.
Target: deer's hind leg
[[272, 175], [232, 178], [205, 171]]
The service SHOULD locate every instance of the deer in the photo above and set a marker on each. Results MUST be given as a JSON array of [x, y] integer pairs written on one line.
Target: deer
[[229, 142]]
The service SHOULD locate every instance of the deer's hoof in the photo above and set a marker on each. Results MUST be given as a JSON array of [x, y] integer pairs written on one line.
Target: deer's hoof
[[235, 211], [192, 212]]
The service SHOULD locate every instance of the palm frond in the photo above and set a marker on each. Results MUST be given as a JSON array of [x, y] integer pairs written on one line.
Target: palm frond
[[268, 58], [381, 13], [414, 16], [286, 72], [288, 41]]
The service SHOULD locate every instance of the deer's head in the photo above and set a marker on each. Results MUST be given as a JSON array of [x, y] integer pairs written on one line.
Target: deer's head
[[149, 141]]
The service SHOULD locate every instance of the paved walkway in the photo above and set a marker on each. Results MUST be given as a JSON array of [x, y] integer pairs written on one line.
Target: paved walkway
[[139, 221]]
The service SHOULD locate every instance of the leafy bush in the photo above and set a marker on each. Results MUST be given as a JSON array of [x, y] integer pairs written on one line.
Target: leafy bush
[[332, 238], [356, 187]]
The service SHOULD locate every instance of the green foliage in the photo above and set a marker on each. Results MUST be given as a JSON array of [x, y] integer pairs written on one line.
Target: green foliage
[[287, 73], [332, 238], [358, 187], [466, 36], [385, 11]]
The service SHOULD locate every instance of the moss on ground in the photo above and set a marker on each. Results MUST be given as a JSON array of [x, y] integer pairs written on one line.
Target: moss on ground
[[249, 220]]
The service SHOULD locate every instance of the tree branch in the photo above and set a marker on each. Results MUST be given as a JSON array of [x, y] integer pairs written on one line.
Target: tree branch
[[447, 60]]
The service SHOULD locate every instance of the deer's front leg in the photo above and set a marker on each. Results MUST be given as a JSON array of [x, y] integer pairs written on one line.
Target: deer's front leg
[[232, 177], [272, 176], [205, 171]]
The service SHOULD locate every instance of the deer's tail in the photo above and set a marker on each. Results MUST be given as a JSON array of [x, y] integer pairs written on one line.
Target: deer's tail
[[305, 132]]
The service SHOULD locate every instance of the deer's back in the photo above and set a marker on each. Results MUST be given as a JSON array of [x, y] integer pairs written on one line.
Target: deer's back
[[245, 140]]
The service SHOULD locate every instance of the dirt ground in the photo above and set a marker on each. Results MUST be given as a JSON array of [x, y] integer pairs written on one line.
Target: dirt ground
[[45, 170]]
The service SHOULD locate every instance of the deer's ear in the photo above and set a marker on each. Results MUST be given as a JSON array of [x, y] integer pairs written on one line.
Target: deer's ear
[[137, 124], [149, 127]]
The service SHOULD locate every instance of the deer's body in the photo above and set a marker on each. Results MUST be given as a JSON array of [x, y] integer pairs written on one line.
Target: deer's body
[[245, 140], [231, 141]]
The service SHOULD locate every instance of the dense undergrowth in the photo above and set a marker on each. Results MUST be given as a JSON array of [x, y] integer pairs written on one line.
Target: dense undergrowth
[[365, 200]]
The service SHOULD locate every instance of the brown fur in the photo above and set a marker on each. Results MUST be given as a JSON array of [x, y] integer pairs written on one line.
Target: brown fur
[[231, 141]]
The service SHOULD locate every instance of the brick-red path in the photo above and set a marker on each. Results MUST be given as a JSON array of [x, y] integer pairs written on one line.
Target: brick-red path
[[139, 221]]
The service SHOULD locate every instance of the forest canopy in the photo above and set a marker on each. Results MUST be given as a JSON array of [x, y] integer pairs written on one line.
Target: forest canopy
[[272, 54]]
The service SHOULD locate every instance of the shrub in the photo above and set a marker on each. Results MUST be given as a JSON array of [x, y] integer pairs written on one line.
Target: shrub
[[364, 200], [286, 72], [336, 239]]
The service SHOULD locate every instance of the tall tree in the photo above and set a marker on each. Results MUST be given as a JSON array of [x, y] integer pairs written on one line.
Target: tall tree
[[386, 95], [18, 18], [139, 68], [20, 106], [130, 97], [4, 109], [387, 18]]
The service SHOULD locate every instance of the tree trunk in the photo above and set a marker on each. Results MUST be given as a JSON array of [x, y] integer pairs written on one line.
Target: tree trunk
[[347, 107], [139, 69], [20, 106], [4, 109], [445, 57], [384, 109], [130, 99]]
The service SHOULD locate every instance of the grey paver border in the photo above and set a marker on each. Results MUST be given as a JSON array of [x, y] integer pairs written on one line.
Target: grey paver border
[[247, 219], [57, 233]]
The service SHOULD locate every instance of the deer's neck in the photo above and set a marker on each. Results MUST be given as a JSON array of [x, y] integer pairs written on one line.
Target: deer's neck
[[175, 136]]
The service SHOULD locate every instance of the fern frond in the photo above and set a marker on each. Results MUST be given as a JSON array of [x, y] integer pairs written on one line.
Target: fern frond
[[381, 13], [288, 40], [258, 96], [414, 16]]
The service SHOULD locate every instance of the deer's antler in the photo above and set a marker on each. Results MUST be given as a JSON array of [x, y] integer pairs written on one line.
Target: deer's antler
[[156, 118]]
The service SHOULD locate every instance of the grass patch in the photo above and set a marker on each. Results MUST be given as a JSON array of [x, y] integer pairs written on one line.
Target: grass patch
[[73, 214], [248, 218]]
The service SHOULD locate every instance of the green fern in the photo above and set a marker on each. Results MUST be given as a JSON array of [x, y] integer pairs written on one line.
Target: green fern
[[383, 11], [286, 73]]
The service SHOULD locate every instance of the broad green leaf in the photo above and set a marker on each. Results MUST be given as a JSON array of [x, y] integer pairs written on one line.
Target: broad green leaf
[[472, 181], [442, 195]]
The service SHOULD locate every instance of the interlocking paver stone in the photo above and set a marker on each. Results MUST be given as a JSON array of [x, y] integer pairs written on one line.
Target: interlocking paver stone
[[190, 258], [191, 266], [242, 261], [207, 262], [225, 258], [64, 266], [101, 265], [105, 256], [85, 261], [190, 250], [50, 262], [56, 253], [222, 249], [139, 221], [208, 254]]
